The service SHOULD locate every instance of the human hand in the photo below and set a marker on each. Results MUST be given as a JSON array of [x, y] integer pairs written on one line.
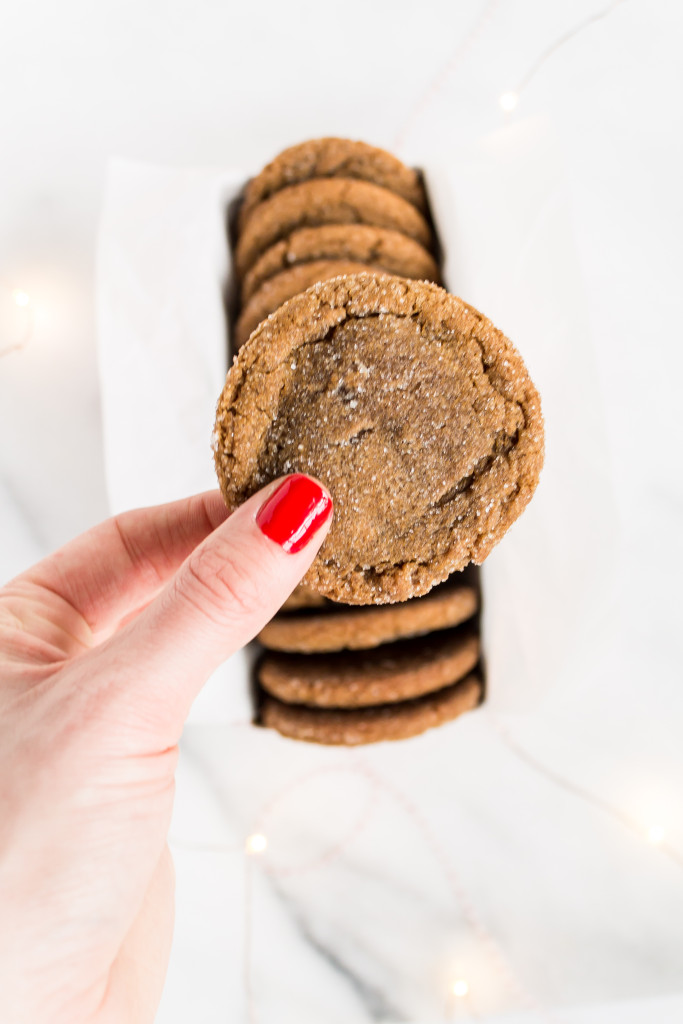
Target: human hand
[[103, 647]]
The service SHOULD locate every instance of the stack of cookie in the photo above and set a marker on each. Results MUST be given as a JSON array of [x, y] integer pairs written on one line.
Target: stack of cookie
[[325, 208], [347, 675], [410, 406]]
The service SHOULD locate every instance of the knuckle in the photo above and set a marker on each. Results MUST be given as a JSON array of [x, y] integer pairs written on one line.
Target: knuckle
[[223, 583]]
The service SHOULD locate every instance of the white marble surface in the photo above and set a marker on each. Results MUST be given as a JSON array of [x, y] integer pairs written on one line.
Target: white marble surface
[[586, 913]]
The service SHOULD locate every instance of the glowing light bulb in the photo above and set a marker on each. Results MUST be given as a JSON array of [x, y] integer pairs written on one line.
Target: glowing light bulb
[[508, 101], [655, 835], [256, 843], [21, 298], [460, 988]]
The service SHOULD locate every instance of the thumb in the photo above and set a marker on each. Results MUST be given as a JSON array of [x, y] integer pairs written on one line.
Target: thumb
[[222, 595]]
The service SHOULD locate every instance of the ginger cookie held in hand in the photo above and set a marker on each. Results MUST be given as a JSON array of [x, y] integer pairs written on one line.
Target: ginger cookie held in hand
[[409, 405]]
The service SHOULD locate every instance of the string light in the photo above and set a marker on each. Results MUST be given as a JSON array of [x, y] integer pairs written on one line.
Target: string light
[[655, 835], [256, 843], [557, 45], [436, 84], [508, 101], [17, 318]]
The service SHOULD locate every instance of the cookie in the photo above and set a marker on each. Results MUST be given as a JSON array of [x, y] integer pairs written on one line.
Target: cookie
[[384, 675], [409, 405], [326, 201], [304, 597], [333, 158], [339, 629], [283, 286], [350, 728], [382, 248]]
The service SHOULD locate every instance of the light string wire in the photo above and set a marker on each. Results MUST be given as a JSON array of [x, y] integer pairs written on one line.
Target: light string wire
[[324, 859], [247, 942], [496, 957], [442, 856], [495, 954], [18, 298], [508, 99], [337, 848], [565, 38], [439, 81], [580, 792]]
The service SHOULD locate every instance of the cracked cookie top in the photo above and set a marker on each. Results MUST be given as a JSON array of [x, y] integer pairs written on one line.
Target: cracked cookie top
[[409, 405]]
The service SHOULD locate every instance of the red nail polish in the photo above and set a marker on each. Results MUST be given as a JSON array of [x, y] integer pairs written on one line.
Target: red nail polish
[[294, 512]]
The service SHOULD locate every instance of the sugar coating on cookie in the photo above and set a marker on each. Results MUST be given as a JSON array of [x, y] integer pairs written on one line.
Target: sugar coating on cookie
[[383, 675], [283, 286], [409, 405], [303, 597], [382, 248], [338, 627], [326, 201], [354, 727], [333, 157]]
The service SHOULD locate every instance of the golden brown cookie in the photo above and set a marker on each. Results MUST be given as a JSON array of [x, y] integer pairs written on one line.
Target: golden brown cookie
[[384, 675], [387, 250], [283, 286], [409, 405], [350, 728], [325, 201], [338, 628], [333, 158], [304, 597]]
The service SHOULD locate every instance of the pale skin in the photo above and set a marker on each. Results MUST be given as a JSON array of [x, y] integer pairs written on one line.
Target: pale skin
[[103, 647]]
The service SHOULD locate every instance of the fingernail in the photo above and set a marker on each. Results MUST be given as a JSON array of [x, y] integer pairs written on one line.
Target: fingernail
[[294, 512]]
